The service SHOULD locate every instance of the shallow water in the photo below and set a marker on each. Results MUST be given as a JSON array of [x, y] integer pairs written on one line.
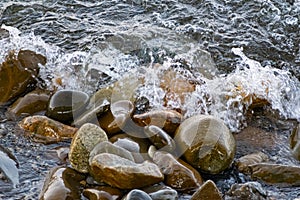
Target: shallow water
[[224, 44]]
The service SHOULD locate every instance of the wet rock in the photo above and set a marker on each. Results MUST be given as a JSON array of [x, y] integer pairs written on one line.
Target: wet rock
[[244, 162], [206, 143], [61, 184], [124, 174], [9, 165], [160, 138], [45, 130], [158, 192], [168, 120], [178, 174], [246, 191], [207, 191], [103, 193], [66, 105], [98, 105], [137, 195], [33, 102], [115, 119], [281, 175], [83, 142], [26, 66], [108, 147], [295, 142]]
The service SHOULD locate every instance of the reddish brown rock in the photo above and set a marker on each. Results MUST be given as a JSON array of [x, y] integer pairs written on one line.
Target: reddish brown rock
[[25, 66], [45, 130], [178, 174], [207, 191]]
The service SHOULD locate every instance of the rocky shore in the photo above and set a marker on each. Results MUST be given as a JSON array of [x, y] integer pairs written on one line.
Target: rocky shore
[[122, 148]]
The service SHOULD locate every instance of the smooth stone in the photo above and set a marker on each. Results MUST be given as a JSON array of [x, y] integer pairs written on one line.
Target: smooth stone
[[108, 147], [295, 142], [178, 174], [159, 192], [33, 102], [244, 162], [83, 142], [276, 174], [103, 193], [123, 173], [207, 191], [137, 195], [61, 184], [26, 66], [9, 165], [132, 147], [45, 130], [168, 120], [67, 105], [206, 143], [246, 191], [98, 105], [160, 138]]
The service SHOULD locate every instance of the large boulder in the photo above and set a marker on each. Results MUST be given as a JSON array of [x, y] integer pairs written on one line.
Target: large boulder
[[206, 143]]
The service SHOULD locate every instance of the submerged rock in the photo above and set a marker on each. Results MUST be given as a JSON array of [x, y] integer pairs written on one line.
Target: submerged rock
[[123, 173], [206, 143], [295, 142], [246, 191], [159, 192], [207, 191], [31, 103], [26, 66], [178, 174], [9, 165], [61, 184], [168, 120], [66, 105], [83, 142], [45, 130], [281, 175]]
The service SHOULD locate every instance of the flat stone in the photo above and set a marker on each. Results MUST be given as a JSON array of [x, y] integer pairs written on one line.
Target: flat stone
[[26, 66], [102, 193], [206, 143], [207, 191], [244, 162], [123, 173], [83, 142], [246, 191], [33, 102], [277, 174], [45, 130], [168, 120], [178, 174]]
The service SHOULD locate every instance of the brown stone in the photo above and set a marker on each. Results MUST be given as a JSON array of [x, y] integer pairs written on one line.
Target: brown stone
[[18, 74], [33, 102], [207, 191], [61, 184], [178, 174], [206, 143], [244, 162], [295, 142], [45, 130], [277, 174], [124, 174], [168, 120]]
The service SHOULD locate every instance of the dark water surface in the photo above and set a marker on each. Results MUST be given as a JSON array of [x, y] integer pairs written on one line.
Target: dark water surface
[[117, 36]]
